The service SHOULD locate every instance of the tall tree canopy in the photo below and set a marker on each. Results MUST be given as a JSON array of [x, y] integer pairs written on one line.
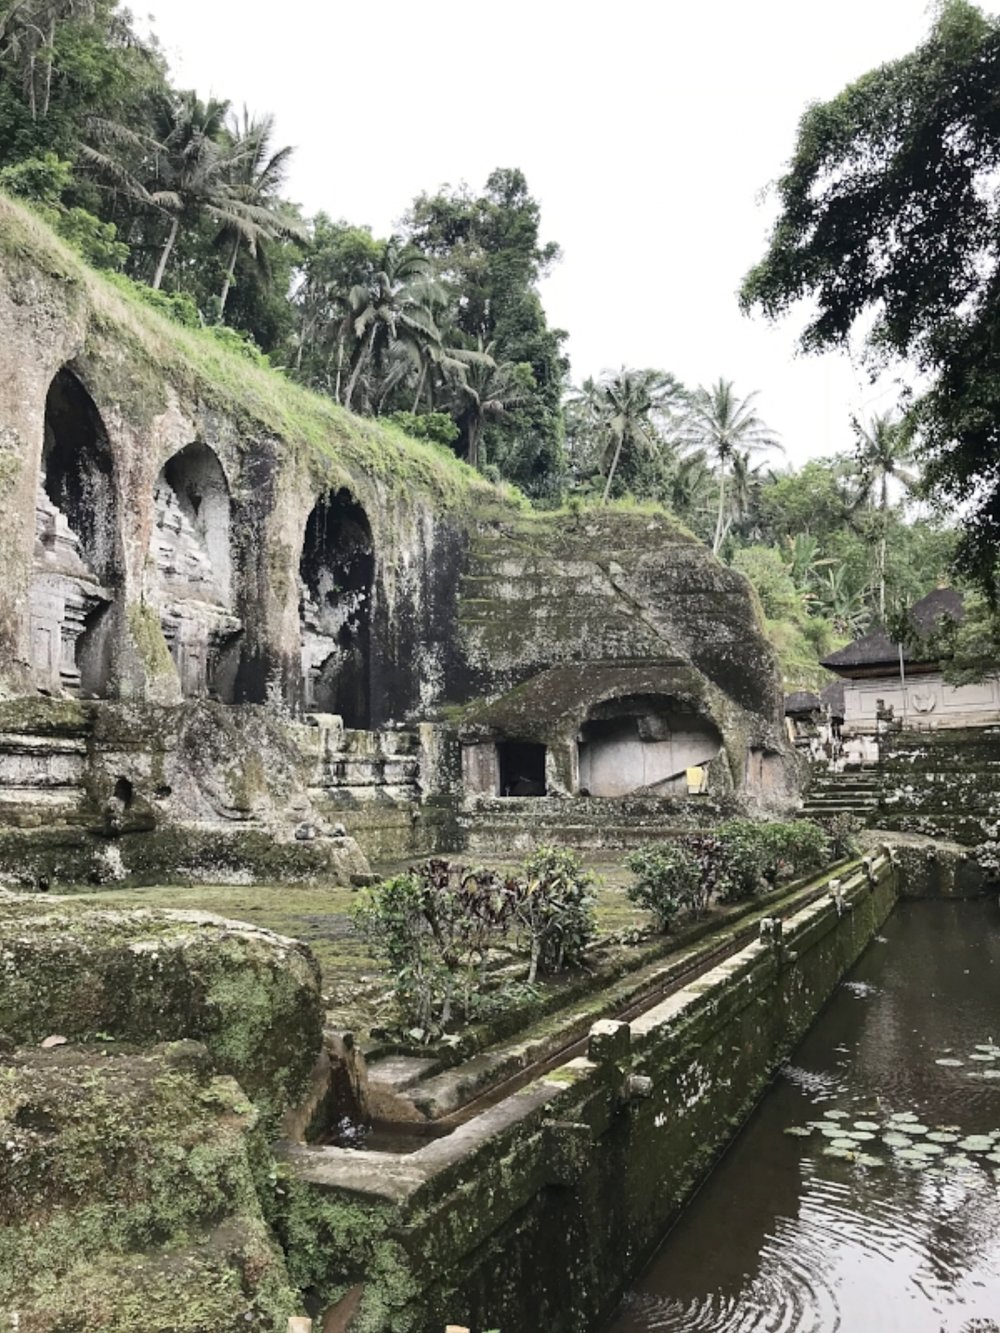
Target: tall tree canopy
[[490, 258], [890, 211]]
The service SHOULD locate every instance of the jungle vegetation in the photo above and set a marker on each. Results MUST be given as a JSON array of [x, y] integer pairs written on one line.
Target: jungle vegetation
[[440, 327]]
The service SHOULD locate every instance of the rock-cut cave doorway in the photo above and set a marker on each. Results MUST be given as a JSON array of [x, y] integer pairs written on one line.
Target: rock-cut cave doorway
[[644, 744], [521, 766], [78, 561], [191, 559], [336, 576]]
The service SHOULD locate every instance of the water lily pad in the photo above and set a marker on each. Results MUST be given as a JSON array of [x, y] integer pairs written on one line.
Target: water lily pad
[[832, 1151], [866, 1124], [895, 1140], [951, 1062], [903, 1117], [799, 1132], [993, 1157], [909, 1154], [958, 1162], [928, 1149], [832, 1131], [861, 1135], [943, 1136], [912, 1127], [866, 1159], [835, 1115], [848, 1144], [981, 1055], [985, 1073], [989, 1047], [976, 1143]]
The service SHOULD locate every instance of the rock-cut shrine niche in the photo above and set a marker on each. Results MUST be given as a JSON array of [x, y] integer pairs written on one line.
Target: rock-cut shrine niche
[[192, 562], [645, 744], [336, 574], [77, 564]]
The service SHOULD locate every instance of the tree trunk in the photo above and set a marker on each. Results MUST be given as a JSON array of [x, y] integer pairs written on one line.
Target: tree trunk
[[352, 383], [717, 543], [475, 430], [882, 548], [340, 366], [612, 469], [161, 267], [230, 271], [420, 387], [48, 70]]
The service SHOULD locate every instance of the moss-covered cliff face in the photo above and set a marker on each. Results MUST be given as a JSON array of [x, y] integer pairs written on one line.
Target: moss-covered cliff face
[[185, 526], [129, 1194], [252, 997]]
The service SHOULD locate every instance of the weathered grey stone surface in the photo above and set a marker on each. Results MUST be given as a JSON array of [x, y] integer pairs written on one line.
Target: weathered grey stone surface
[[183, 529], [147, 976]]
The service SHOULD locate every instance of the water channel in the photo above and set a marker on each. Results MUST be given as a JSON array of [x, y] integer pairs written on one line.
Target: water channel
[[883, 1215]]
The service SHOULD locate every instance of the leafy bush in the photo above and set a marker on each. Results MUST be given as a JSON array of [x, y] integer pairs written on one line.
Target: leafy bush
[[802, 843], [436, 925], [747, 855], [668, 877], [842, 831], [555, 907], [768, 851]]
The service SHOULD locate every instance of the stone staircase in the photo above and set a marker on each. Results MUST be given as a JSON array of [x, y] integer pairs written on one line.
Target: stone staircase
[[943, 784], [513, 826], [854, 793]]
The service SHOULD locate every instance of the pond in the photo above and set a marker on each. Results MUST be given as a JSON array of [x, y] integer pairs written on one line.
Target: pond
[[864, 1193]]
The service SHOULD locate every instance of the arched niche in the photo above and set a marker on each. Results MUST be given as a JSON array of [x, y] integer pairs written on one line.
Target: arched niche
[[643, 744], [336, 574], [191, 555], [78, 565]]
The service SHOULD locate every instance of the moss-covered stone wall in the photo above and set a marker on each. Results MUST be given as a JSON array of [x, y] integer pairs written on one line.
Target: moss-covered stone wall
[[537, 1212]]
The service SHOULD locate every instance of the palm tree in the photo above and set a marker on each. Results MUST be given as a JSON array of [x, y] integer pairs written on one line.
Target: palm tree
[[485, 390], [619, 413], [721, 423], [185, 169], [255, 214], [882, 454], [397, 305]]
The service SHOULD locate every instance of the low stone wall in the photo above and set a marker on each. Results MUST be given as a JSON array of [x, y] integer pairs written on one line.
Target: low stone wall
[[538, 1211]]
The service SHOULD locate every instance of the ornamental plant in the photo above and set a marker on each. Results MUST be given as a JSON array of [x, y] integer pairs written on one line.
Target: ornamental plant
[[668, 877], [438, 925]]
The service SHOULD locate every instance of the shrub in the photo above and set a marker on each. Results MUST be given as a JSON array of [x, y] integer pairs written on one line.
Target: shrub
[[668, 877], [747, 855], [803, 844], [842, 831], [436, 925], [555, 907]]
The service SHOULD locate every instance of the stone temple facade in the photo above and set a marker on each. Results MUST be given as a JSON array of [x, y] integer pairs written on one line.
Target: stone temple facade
[[244, 634]]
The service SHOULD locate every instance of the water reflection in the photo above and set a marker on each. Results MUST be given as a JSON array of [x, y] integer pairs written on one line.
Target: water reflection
[[785, 1239]]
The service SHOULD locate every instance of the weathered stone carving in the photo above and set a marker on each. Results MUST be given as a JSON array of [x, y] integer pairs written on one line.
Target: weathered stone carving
[[65, 600]]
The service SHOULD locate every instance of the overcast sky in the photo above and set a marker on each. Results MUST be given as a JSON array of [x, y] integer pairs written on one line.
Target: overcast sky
[[647, 132]]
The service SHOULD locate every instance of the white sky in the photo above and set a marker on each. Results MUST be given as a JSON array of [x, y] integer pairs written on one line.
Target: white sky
[[646, 131]]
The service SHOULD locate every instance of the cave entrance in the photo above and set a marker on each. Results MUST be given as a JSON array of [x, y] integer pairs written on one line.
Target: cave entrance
[[336, 575], [78, 562], [191, 555], [648, 744], [521, 767]]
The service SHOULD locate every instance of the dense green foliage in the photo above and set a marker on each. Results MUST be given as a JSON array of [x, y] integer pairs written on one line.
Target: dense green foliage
[[439, 925], [890, 214], [729, 864]]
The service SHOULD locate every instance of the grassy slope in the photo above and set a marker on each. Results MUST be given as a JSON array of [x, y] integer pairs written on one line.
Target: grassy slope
[[160, 351]]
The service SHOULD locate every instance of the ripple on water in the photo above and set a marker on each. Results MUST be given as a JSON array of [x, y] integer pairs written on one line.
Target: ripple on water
[[789, 1240]]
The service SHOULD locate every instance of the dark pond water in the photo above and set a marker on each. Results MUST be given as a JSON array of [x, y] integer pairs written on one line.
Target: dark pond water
[[879, 1237]]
